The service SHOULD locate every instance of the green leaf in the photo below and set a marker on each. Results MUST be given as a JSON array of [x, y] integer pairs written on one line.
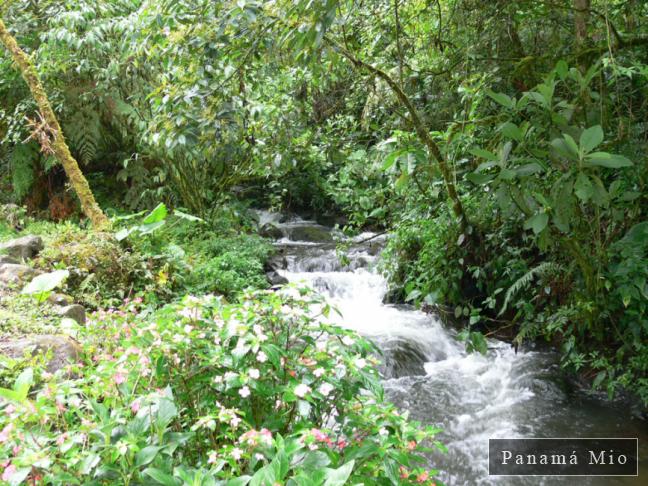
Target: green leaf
[[24, 382], [339, 476], [240, 481], [477, 178], [484, 154], [599, 379], [158, 214], [161, 477], [537, 222], [511, 130], [46, 282], [610, 161], [591, 138], [583, 188], [528, 169], [145, 456], [501, 98], [188, 217], [565, 149]]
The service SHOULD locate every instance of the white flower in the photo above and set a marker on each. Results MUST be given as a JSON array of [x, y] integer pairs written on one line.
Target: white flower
[[302, 390], [325, 388], [218, 379], [319, 372], [259, 457], [262, 357], [237, 453], [244, 392], [360, 363], [254, 373], [187, 329], [347, 340], [213, 456], [235, 421], [383, 431], [320, 345]]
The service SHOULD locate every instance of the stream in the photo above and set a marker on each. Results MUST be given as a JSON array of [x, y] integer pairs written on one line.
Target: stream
[[427, 371]]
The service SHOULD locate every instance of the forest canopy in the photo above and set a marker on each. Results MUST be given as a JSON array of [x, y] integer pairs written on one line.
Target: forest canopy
[[501, 144]]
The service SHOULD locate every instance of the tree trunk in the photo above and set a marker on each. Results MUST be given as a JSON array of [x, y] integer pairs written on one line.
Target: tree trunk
[[421, 131], [58, 146], [581, 16]]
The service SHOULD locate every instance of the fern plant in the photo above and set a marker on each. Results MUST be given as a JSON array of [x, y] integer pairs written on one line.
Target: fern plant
[[525, 280]]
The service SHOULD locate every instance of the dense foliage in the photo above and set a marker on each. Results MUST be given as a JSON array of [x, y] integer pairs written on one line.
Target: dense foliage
[[502, 144], [208, 393]]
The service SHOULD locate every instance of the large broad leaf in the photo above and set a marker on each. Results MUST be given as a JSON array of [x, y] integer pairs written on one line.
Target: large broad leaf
[[158, 214], [591, 138], [339, 476], [537, 222], [46, 282], [146, 455], [161, 477], [565, 148], [611, 161], [484, 154], [477, 178], [501, 98], [188, 217]]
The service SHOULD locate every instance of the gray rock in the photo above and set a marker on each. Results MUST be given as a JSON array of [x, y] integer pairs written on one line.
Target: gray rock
[[269, 230], [11, 273], [275, 279], [59, 299], [314, 234], [74, 311], [8, 259], [64, 350], [24, 248], [275, 262]]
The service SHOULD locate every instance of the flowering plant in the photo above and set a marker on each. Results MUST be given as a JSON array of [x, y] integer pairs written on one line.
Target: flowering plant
[[204, 392]]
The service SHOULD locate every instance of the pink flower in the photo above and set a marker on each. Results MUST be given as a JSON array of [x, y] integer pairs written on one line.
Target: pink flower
[[8, 472], [119, 378], [325, 389], [15, 450], [237, 453], [424, 476], [302, 390], [4, 435], [135, 406], [61, 439]]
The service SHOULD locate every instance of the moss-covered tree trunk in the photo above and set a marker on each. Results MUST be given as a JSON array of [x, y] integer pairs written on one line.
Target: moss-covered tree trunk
[[58, 145]]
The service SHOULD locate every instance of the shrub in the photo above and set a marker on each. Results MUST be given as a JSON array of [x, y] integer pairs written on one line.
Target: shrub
[[261, 392]]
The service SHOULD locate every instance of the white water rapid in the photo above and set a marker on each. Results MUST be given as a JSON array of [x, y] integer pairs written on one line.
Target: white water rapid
[[427, 371]]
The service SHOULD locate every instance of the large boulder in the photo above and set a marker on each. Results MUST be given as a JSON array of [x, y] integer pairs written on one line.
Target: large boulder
[[11, 273], [8, 259], [74, 311], [24, 248], [314, 234], [64, 349], [276, 279], [269, 230]]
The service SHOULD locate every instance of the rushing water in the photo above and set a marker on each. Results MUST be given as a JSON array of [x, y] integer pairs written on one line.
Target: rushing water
[[428, 372]]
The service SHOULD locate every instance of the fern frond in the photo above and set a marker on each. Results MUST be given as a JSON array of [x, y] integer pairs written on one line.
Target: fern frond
[[83, 130], [23, 161], [525, 280]]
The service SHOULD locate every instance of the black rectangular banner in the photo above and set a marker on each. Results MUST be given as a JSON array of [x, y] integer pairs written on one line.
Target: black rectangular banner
[[563, 457]]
